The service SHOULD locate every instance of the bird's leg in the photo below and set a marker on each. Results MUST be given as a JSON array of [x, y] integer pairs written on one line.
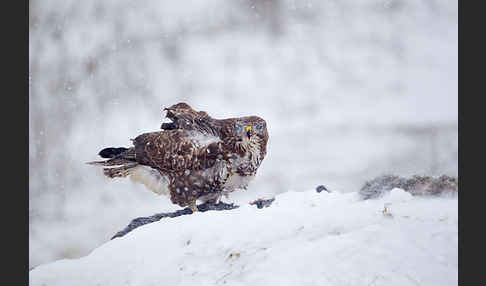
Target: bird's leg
[[193, 206], [218, 199], [214, 200]]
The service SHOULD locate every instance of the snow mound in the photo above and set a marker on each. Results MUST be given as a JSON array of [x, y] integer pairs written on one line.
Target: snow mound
[[397, 195], [303, 238]]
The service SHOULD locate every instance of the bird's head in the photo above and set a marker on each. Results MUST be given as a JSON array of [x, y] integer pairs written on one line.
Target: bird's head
[[249, 130], [249, 135]]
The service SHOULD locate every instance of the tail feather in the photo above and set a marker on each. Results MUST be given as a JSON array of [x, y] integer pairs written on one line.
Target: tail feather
[[111, 162], [119, 172], [112, 152], [121, 161]]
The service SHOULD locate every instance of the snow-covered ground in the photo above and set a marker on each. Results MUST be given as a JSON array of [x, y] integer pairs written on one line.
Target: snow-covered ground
[[303, 238]]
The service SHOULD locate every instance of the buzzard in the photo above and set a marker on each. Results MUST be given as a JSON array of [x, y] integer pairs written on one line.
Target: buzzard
[[194, 157]]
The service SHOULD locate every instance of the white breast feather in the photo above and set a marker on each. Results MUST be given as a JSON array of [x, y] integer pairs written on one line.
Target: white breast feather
[[151, 178], [236, 181], [250, 147]]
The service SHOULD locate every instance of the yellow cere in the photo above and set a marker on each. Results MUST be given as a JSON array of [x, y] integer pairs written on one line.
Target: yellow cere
[[248, 128]]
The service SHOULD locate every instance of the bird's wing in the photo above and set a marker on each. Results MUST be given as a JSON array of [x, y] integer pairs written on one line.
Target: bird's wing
[[177, 150]]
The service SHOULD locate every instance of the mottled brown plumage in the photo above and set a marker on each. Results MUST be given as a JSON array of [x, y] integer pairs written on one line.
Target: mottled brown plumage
[[194, 157]]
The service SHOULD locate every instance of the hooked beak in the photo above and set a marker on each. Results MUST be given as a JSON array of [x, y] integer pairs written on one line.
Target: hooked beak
[[248, 131]]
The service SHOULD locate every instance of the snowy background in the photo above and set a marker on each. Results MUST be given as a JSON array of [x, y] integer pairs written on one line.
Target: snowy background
[[350, 90]]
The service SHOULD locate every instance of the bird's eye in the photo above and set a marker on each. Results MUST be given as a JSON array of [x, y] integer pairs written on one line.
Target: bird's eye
[[238, 128], [259, 126]]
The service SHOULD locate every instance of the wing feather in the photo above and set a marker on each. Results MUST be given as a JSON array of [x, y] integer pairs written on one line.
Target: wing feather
[[177, 150]]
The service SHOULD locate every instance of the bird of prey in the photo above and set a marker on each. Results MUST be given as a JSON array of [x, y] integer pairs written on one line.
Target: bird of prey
[[194, 157]]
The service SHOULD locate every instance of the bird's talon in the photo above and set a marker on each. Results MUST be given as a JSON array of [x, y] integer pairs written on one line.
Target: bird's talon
[[193, 207]]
